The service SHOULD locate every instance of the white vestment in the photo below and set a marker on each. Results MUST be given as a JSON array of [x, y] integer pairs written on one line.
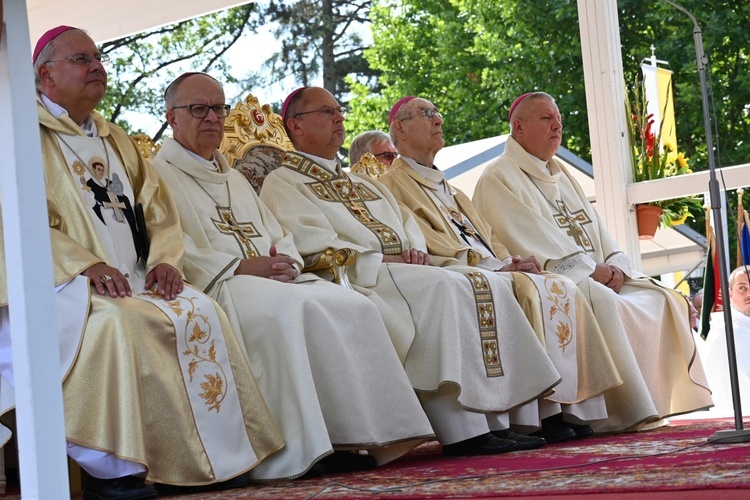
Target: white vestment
[[448, 328], [320, 352], [554, 305], [716, 363], [541, 212]]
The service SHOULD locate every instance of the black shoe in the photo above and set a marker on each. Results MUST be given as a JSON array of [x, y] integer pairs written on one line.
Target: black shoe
[[522, 442], [484, 444], [121, 488], [554, 430], [345, 461], [171, 489], [581, 430]]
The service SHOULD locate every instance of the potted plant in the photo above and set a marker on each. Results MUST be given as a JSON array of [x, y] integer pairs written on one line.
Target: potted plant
[[653, 160]]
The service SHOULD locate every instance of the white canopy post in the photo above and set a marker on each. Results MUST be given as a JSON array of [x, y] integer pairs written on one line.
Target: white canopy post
[[33, 320], [605, 101]]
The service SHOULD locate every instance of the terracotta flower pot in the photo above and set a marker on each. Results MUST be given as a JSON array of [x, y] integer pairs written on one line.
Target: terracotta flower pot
[[648, 220]]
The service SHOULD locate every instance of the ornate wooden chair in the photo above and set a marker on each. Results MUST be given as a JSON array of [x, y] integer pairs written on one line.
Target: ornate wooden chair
[[146, 145], [255, 143], [369, 165]]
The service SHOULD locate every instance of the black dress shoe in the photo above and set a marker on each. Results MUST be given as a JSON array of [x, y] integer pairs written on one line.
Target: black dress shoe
[[522, 442], [554, 430], [484, 444], [581, 430], [172, 489], [121, 488], [346, 461]]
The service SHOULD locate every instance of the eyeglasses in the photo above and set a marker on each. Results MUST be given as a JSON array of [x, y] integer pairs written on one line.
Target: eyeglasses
[[428, 113], [201, 110], [327, 112], [387, 155], [83, 59]]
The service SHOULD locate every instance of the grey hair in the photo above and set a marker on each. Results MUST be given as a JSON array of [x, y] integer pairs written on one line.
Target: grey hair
[[401, 114], [521, 109], [740, 270], [47, 53], [363, 144]]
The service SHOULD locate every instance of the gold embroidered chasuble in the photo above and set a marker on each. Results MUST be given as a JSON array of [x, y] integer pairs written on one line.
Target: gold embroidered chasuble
[[556, 309], [149, 384], [447, 327], [544, 213], [307, 339]]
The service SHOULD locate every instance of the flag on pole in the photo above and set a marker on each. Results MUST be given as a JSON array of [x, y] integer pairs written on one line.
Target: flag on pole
[[743, 232], [712, 300]]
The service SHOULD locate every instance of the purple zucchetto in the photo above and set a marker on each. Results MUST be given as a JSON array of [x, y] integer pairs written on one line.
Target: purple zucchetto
[[47, 38], [399, 104]]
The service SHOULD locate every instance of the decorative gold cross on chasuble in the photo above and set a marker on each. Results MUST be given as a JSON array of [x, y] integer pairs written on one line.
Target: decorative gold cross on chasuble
[[573, 222], [340, 189], [241, 231]]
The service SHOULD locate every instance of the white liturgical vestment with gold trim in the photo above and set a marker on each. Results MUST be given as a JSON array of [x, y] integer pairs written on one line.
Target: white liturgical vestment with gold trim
[[320, 352], [537, 209]]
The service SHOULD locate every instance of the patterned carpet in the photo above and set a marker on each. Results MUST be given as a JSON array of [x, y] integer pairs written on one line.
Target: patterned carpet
[[672, 458], [675, 458]]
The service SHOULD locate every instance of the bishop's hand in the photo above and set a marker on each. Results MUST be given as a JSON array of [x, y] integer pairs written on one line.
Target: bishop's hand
[[527, 265], [108, 280], [276, 266], [410, 256], [168, 280]]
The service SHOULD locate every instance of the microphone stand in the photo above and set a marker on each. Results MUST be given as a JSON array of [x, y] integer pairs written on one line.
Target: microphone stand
[[738, 435]]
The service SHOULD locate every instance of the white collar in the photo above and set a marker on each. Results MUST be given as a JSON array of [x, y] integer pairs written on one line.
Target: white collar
[[88, 127]]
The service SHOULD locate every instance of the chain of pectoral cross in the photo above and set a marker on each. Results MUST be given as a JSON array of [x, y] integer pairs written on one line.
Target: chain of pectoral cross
[[565, 219], [116, 205]]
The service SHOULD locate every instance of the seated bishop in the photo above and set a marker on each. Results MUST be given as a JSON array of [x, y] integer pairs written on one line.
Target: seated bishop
[[534, 205], [467, 348], [320, 352], [155, 384], [555, 307]]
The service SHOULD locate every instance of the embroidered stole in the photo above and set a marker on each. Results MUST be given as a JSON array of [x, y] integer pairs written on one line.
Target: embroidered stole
[[353, 195]]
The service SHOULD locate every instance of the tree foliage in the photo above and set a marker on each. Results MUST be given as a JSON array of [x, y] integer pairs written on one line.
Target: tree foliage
[[143, 64], [319, 39]]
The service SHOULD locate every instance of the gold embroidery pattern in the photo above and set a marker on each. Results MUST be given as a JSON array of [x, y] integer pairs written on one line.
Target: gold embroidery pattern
[[241, 231], [353, 196], [487, 323], [200, 348], [558, 295], [573, 222]]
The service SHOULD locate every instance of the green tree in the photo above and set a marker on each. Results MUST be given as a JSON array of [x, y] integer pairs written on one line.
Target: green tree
[[142, 63], [319, 39]]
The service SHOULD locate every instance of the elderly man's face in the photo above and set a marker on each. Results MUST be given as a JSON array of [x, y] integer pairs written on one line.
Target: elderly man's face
[[202, 136], [72, 83], [384, 152], [739, 294], [423, 126], [538, 128]]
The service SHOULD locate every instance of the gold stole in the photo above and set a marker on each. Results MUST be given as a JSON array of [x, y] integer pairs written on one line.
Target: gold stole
[[340, 189]]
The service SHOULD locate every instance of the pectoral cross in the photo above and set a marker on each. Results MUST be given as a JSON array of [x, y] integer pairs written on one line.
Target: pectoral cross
[[116, 206], [241, 231], [573, 222]]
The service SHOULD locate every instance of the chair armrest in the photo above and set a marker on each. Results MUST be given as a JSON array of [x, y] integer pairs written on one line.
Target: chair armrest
[[335, 261]]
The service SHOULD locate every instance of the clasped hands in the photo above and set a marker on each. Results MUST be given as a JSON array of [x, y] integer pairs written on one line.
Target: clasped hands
[[609, 276], [528, 265], [409, 256], [110, 281], [278, 267]]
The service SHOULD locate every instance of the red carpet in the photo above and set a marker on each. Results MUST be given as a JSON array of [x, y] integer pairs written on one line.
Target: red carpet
[[671, 462]]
